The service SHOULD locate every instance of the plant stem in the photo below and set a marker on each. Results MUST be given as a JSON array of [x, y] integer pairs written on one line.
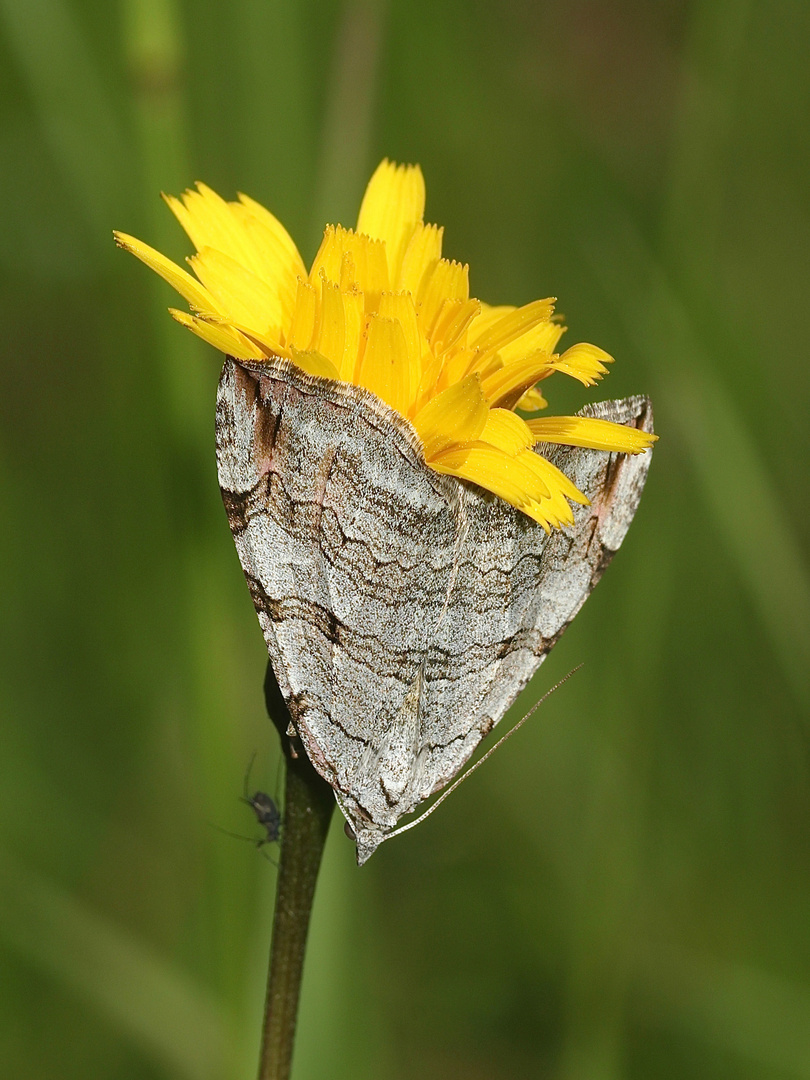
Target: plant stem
[[308, 806]]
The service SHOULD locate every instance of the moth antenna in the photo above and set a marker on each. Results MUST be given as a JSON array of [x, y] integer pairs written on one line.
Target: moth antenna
[[466, 775], [461, 536]]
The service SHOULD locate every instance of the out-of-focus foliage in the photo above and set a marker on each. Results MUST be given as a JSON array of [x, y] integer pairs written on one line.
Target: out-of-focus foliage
[[623, 891]]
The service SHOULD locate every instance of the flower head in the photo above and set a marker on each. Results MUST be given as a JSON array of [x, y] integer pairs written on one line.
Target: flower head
[[382, 309]]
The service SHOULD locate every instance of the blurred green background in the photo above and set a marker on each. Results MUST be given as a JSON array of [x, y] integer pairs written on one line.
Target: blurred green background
[[624, 890]]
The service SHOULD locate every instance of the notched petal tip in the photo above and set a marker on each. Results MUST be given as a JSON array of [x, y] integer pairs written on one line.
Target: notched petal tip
[[595, 434]]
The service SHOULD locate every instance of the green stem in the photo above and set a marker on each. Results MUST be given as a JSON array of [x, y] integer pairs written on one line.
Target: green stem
[[308, 806]]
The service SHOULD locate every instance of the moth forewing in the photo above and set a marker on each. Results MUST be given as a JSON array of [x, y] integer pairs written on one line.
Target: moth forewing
[[403, 610]]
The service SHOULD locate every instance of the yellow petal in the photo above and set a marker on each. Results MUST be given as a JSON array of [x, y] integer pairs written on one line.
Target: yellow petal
[[348, 272], [328, 258], [220, 335], [590, 432], [421, 255], [267, 344], [508, 477], [452, 323], [490, 314], [399, 306], [506, 385], [544, 337], [526, 480], [313, 363], [246, 233], [281, 238], [279, 263], [237, 290], [493, 336], [584, 362], [365, 256], [556, 480], [302, 327], [392, 207], [428, 383], [354, 323], [384, 365], [197, 296], [485, 364], [447, 281], [330, 331], [201, 225], [532, 401], [488, 466], [507, 431], [370, 265], [461, 363], [209, 221], [456, 415]]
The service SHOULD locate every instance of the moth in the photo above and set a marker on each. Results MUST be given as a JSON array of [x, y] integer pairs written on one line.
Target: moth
[[403, 610]]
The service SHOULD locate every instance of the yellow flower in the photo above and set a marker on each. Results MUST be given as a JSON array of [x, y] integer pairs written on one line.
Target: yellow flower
[[382, 309]]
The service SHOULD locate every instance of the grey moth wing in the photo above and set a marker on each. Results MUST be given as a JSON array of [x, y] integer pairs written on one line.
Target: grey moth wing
[[403, 610]]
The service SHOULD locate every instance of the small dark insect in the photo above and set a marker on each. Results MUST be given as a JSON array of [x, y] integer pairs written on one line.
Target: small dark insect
[[267, 814]]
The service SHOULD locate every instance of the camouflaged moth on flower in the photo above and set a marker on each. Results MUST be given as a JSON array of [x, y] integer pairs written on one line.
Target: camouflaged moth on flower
[[413, 546]]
